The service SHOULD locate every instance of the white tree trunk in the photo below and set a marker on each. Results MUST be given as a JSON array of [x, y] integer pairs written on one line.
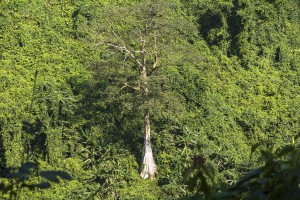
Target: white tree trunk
[[148, 165]]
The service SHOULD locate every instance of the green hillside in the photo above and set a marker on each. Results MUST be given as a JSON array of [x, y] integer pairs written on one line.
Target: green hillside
[[82, 82]]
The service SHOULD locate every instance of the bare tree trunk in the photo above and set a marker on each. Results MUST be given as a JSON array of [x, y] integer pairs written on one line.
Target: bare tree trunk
[[148, 165]]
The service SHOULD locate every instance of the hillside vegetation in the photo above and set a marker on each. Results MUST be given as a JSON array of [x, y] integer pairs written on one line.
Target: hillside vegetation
[[82, 80]]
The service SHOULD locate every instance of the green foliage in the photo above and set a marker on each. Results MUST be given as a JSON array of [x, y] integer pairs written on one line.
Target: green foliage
[[277, 178], [226, 83], [13, 179]]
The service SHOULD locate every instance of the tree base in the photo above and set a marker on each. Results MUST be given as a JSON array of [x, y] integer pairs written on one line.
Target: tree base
[[149, 169]]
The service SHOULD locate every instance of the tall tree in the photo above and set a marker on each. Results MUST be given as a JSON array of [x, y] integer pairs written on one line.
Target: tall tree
[[145, 39]]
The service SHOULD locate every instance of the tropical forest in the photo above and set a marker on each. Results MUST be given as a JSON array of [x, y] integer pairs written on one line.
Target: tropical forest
[[149, 99]]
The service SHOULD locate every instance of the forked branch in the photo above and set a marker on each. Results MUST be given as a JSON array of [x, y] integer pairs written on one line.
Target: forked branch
[[129, 86], [127, 51]]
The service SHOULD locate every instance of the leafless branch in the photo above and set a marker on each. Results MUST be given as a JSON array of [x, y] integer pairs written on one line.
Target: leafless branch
[[143, 53], [154, 69], [125, 57], [127, 51], [156, 59], [115, 34], [135, 88], [154, 66], [150, 23], [141, 38]]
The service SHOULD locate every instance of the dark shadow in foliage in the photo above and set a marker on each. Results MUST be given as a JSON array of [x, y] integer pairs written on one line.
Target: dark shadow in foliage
[[18, 176], [200, 178], [101, 109], [212, 20], [271, 1], [2, 153], [53, 175], [244, 125], [36, 137], [84, 11], [277, 54], [209, 21], [235, 27]]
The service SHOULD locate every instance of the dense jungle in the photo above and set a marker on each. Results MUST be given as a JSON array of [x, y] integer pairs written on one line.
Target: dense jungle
[[149, 99]]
